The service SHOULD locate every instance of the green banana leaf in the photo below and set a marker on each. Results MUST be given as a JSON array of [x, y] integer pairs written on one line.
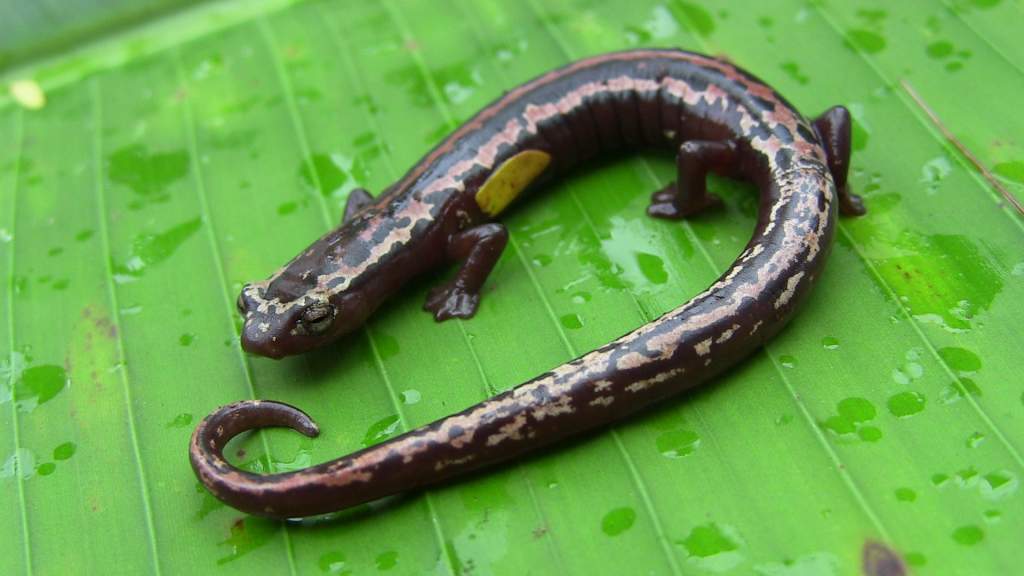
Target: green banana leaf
[[151, 165]]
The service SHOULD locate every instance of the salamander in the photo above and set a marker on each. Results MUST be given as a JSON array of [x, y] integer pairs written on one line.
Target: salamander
[[715, 118]]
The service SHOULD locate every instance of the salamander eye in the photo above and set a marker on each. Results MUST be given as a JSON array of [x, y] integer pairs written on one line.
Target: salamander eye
[[317, 317]]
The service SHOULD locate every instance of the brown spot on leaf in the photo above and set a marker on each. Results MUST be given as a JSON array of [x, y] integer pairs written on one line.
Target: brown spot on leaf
[[880, 560], [105, 326]]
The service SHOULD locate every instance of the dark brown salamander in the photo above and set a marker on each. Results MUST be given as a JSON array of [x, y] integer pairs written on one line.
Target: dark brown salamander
[[717, 118]]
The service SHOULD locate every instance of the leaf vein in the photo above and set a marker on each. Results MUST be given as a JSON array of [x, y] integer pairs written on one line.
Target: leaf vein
[[115, 316], [16, 432]]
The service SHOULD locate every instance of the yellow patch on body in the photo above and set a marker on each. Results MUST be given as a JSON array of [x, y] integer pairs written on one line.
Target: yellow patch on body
[[509, 180]]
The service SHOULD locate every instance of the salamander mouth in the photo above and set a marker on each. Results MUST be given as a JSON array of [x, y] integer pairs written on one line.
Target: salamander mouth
[[262, 348]]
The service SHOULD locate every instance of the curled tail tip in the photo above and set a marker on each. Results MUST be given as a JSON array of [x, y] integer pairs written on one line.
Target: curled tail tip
[[281, 414], [228, 421], [307, 427]]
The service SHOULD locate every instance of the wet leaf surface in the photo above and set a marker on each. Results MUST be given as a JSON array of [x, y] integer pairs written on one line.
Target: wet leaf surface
[[145, 177]]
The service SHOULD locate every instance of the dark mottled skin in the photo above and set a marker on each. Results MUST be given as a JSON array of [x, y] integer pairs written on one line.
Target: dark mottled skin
[[716, 118]]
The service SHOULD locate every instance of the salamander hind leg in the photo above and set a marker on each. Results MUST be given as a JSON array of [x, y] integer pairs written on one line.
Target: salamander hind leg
[[834, 128], [479, 248], [689, 195]]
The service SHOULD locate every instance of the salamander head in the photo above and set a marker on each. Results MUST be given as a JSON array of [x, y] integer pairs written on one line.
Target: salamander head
[[314, 299]]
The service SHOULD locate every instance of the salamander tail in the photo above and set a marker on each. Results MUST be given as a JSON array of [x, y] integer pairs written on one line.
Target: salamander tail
[[206, 450]]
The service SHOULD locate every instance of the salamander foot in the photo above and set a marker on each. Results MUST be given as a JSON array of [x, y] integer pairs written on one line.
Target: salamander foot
[[451, 301], [665, 204], [836, 128], [689, 194]]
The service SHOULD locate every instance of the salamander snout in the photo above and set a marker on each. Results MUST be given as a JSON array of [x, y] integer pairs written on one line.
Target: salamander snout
[[262, 335], [245, 300], [262, 347], [260, 331]]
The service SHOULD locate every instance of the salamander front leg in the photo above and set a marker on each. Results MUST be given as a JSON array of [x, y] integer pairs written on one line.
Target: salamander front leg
[[479, 248], [357, 198], [834, 128], [689, 194]]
